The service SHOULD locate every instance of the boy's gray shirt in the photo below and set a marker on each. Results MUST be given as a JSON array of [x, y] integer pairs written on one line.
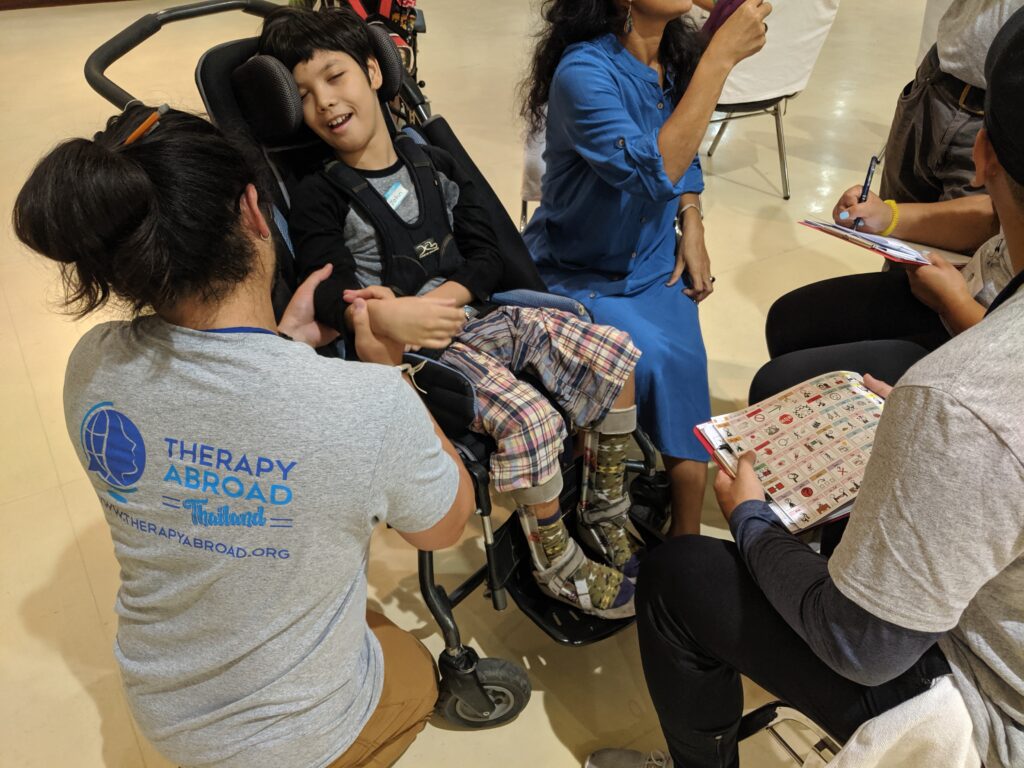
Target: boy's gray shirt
[[242, 476], [936, 541], [361, 237]]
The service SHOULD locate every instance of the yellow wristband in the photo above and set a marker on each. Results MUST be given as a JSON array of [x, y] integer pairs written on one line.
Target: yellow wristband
[[895, 218]]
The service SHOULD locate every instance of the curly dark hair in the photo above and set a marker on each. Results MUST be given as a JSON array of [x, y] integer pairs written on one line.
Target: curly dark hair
[[574, 21]]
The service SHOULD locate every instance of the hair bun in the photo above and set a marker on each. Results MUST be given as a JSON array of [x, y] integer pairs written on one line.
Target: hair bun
[[85, 204]]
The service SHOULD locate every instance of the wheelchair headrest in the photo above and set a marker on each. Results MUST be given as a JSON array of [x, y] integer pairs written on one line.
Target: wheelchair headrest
[[269, 99]]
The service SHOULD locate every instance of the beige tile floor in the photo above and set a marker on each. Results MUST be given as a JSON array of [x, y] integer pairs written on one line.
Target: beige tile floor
[[60, 697]]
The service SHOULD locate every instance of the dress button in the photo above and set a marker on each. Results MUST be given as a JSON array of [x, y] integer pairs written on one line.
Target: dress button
[[620, 143], [661, 105], [593, 295], [643, 219], [632, 255]]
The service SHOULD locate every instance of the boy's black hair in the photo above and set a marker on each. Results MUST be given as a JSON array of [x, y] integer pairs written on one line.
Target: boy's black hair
[[151, 223], [292, 35]]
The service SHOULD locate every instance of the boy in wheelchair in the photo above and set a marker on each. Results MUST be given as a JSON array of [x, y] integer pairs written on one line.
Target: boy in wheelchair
[[404, 231]]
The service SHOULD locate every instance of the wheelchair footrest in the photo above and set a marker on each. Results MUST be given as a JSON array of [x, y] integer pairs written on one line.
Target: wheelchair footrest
[[561, 622]]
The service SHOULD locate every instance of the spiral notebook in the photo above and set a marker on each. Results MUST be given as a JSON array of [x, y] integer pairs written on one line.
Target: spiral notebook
[[812, 441]]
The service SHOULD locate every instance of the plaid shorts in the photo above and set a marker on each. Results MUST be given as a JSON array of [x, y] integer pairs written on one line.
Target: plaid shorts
[[583, 366]]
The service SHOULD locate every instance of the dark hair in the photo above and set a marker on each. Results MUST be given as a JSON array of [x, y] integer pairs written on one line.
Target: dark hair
[[575, 21], [293, 35], [152, 223]]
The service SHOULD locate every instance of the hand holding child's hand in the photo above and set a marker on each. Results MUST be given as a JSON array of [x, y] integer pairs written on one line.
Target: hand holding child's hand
[[939, 285], [371, 346], [298, 321], [420, 321], [875, 215], [733, 491]]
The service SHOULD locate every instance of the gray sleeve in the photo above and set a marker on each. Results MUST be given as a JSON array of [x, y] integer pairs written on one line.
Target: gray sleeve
[[416, 478], [852, 642]]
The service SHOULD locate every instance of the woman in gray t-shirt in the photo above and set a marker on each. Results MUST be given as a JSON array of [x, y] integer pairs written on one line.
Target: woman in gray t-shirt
[[241, 491]]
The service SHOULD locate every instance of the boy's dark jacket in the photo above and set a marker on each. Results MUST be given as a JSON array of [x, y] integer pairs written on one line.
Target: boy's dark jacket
[[317, 227]]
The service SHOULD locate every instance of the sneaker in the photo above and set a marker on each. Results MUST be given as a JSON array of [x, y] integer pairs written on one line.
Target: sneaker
[[627, 758], [613, 539], [593, 588]]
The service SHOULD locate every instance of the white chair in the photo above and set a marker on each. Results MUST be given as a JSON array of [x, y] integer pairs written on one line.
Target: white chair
[[533, 172], [931, 729], [765, 82]]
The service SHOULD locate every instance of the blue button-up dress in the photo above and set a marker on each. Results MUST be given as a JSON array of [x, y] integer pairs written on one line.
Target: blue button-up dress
[[604, 231]]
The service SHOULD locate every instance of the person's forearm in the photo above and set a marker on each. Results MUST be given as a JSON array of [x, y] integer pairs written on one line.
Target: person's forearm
[[963, 315], [681, 135], [451, 290], [960, 225], [707, 5], [795, 579]]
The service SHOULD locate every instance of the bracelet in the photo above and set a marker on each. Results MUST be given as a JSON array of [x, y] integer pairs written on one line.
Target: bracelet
[[679, 216], [895, 218], [411, 370]]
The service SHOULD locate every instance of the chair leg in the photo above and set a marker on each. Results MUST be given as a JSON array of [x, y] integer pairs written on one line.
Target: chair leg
[[718, 138], [783, 161]]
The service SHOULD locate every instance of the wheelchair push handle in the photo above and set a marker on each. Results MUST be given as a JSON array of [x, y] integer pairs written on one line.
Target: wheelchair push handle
[[142, 29]]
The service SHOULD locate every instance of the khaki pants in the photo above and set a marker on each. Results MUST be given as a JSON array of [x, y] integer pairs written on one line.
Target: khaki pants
[[406, 702]]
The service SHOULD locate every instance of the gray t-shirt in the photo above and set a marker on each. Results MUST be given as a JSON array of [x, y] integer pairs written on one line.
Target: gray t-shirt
[[242, 476], [396, 187], [966, 32], [937, 540]]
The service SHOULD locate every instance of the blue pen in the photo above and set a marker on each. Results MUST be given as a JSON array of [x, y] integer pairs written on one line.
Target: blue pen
[[867, 187]]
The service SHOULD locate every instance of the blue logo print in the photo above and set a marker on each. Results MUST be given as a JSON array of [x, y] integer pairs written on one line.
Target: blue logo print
[[114, 447]]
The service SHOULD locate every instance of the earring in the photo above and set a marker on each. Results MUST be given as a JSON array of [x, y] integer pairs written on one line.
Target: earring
[[629, 17]]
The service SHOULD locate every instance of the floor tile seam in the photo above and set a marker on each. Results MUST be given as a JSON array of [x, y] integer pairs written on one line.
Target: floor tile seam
[[35, 392], [81, 553]]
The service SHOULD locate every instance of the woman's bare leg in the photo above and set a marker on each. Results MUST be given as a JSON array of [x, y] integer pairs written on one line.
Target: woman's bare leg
[[687, 479]]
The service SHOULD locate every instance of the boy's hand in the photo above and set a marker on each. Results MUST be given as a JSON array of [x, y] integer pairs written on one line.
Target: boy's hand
[[733, 491], [939, 285], [420, 321], [298, 321], [373, 347], [876, 216], [372, 292]]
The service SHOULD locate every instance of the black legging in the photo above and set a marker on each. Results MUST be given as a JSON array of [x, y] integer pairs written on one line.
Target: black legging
[[703, 621], [869, 323]]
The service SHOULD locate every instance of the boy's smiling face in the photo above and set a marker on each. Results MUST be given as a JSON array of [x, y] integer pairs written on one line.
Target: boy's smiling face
[[339, 100]]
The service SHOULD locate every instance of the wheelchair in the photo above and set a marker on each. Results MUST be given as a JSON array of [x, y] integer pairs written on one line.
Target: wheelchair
[[474, 692]]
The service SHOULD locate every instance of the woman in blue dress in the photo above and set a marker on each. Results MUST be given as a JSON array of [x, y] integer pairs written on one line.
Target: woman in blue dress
[[624, 90]]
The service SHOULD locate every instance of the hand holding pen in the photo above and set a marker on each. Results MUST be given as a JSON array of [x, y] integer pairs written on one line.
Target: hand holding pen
[[871, 215]]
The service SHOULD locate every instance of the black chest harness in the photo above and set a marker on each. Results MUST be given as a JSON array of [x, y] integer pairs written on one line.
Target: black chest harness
[[411, 254]]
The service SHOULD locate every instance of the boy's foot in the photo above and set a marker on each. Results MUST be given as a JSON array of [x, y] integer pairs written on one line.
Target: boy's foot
[[614, 539], [574, 579], [627, 758]]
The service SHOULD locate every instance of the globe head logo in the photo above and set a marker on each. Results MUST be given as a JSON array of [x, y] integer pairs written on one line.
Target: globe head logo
[[114, 448]]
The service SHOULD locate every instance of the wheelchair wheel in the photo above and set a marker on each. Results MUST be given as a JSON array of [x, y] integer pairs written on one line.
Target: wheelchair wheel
[[507, 685]]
